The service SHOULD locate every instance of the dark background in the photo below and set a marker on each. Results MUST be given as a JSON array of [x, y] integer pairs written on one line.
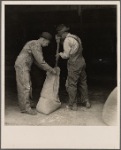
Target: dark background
[[94, 24]]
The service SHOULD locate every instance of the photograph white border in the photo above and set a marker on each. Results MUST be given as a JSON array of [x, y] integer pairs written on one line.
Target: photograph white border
[[77, 137]]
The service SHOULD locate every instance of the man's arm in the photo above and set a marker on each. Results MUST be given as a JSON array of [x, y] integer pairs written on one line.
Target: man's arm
[[39, 59], [69, 46]]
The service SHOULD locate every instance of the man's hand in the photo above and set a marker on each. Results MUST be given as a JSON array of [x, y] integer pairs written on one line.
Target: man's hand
[[54, 71], [57, 56]]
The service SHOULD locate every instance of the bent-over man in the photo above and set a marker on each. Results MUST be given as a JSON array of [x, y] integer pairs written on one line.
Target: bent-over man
[[31, 52]]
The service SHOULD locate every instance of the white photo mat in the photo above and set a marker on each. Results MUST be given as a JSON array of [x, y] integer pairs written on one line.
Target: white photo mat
[[76, 137]]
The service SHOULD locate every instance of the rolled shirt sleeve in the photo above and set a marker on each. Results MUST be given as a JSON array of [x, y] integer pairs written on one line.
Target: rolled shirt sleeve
[[70, 46], [39, 59]]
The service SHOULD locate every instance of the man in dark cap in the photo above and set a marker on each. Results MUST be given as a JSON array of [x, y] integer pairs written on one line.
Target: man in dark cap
[[31, 52], [77, 79]]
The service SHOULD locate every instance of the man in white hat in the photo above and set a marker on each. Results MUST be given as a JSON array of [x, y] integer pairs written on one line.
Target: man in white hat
[[77, 79], [31, 52]]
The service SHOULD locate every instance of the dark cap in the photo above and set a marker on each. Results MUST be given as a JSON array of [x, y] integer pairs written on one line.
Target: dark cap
[[46, 35], [62, 28]]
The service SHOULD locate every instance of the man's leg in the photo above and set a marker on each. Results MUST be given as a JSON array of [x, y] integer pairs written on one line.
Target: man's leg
[[71, 86], [83, 88], [32, 102], [24, 86]]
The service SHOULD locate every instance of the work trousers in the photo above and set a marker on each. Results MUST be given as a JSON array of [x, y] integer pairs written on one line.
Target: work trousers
[[24, 89], [77, 82]]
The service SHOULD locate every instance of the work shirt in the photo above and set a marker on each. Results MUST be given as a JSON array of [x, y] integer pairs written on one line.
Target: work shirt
[[31, 52], [70, 46]]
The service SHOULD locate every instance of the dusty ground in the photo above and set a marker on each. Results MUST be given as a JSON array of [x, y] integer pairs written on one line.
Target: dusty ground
[[82, 117], [62, 116]]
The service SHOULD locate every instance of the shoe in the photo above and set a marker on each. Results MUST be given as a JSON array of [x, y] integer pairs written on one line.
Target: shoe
[[87, 104], [30, 111], [75, 107], [69, 107]]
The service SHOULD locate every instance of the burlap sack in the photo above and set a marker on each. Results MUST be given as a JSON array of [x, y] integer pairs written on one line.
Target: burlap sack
[[49, 100]]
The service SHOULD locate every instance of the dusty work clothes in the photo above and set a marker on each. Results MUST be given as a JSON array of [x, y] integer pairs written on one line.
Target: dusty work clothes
[[31, 52], [76, 65]]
